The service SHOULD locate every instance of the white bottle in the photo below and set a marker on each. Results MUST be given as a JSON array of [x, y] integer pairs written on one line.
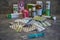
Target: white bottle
[[48, 8], [34, 11], [15, 15], [39, 11], [47, 4], [15, 8]]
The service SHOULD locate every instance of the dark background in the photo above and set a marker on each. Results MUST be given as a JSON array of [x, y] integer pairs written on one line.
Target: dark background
[[6, 33]]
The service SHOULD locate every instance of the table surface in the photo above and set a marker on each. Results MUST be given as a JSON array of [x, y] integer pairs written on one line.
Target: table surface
[[6, 33]]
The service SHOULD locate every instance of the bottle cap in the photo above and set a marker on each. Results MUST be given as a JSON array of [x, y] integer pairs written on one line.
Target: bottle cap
[[47, 1], [38, 2], [15, 5]]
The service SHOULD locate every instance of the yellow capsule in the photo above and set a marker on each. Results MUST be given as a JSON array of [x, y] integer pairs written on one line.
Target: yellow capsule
[[19, 28]]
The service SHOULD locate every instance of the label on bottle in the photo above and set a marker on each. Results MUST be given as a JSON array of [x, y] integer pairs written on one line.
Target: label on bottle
[[21, 5], [34, 13], [47, 4], [25, 13], [48, 8], [15, 8], [48, 12], [39, 12]]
